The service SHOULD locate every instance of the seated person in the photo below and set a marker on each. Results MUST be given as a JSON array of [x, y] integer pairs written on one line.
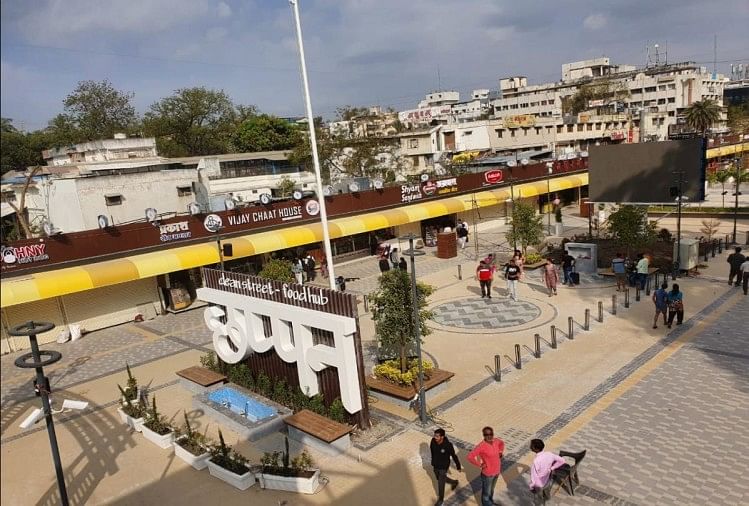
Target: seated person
[[543, 464]]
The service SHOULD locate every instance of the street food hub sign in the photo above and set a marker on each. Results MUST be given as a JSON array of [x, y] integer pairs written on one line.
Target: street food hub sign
[[294, 311]]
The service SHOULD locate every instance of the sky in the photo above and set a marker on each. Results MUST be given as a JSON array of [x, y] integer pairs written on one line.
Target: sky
[[359, 52]]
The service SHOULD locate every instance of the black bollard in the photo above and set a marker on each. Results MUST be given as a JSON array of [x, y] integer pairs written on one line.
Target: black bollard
[[460, 271], [637, 293], [626, 297], [570, 328], [366, 304], [553, 337], [600, 311], [537, 343], [587, 319], [647, 286], [712, 248], [497, 369], [518, 362], [613, 304]]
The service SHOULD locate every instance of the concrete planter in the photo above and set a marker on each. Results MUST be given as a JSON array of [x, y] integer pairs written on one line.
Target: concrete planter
[[290, 484], [162, 442], [134, 423], [242, 482], [199, 462]]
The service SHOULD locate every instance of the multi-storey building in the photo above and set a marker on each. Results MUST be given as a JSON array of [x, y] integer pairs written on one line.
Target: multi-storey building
[[119, 148]]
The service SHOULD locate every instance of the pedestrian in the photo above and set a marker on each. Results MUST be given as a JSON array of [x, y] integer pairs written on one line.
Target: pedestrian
[[512, 275], [520, 262], [544, 463], [675, 305], [442, 451], [384, 264], [660, 299], [642, 271], [488, 456], [485, 274], [568, 263], [745, 275], [324, 267], [550, 276], [402, 265], [298, 269], [309, 267], [462, 234], [394, 257], [735, 260], [619, 269]]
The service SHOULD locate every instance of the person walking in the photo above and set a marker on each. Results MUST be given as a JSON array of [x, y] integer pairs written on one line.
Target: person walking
[[394, 257], [488, 456], [298, 269], [324, 267], [544, 463], [403, 265], [619, 268], [512, 275], [660, 299], [550, 276], [485, 274], [384, 264], [520, 262], [462, 234], [735, 260], [675, 305], [309, 267], [568, 263], [745, 275], [642, 271], [442, 451]]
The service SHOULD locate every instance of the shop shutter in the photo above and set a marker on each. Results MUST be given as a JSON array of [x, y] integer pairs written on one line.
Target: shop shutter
[[47, 310], [112, 305]]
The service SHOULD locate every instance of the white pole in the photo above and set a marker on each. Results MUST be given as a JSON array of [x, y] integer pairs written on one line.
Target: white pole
[[313, 146]]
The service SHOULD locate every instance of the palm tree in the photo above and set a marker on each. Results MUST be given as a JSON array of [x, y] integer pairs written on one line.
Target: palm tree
[[702, 114], [722, 176]]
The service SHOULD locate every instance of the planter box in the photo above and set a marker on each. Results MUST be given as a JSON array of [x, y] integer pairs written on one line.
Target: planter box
[[404, 395], [199, 462], [134, 423], [242, 482], [289, 484], [162, 442]]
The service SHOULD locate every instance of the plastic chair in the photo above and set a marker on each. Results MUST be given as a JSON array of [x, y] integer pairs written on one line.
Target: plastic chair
[[567, 475]]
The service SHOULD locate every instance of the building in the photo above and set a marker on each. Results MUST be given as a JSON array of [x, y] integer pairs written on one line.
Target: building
[[375, 123], [119, 148]]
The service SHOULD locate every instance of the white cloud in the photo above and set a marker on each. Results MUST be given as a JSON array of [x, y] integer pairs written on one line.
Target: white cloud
[[224, 10], [595, 22]]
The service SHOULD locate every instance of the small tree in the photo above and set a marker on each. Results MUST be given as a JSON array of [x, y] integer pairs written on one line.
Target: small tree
[[277, 269], [527, 228], [629, 227], [285, 186], [722, 176], [393, 314], [710, 228]]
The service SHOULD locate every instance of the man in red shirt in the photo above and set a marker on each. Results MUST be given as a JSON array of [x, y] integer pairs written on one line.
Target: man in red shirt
[[485, 274], [488, 456]]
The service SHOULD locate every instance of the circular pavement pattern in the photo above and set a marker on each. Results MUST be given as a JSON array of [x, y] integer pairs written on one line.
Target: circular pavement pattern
[[485, 313]]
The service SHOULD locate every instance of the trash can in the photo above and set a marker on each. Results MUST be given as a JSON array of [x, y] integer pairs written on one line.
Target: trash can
[[447, 245]]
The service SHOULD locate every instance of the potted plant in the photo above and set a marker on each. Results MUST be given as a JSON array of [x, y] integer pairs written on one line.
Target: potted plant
[[558, 218], [131, 391], [229, 466], [156, 428], [299, 475], [131, 412], [191, 446]]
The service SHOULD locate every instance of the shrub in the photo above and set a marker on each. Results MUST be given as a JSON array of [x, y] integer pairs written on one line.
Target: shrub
[[532, 258], [209, 361], [241, 375], [317, 404], [156, 422], [279, 270], [131, 390], [130, 409], [337, 412], [298, 465], [664, 235], [390, 371], [280, 392], [223, 455], [191, 440], [263, 385]]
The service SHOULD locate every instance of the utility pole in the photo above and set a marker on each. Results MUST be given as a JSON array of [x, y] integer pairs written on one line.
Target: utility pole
[[738, 176], [679, 182]]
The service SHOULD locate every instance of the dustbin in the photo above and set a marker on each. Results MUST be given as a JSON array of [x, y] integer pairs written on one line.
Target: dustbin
[[447, 245]]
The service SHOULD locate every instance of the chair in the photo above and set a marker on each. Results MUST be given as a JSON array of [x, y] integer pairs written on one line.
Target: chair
[[567, 475]]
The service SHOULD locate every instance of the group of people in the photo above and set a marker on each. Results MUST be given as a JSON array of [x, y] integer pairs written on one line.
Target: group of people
[[487, 455], [390, 257], [513, 273], [634, 273], [669, 304], [304, 269], [739, 264]]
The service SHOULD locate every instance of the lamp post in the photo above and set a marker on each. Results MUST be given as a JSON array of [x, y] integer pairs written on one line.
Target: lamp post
[[417, 330], [738, 176], [313, 146], [37, 360], [550, 169], [679, 198]]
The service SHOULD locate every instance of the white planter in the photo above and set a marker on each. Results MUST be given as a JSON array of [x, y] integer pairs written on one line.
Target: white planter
[[134, 423], [242, 482], [287, 484], [162, 442], [199, 462]]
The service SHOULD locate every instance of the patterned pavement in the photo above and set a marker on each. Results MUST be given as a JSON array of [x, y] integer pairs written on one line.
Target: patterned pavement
[[485, 313]]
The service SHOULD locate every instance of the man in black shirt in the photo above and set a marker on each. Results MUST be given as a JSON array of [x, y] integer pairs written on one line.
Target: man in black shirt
[[735, 260], [442, 450], [568, 263]]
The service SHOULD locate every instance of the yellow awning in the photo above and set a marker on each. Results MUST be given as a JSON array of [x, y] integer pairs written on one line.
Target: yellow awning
[[732, 149], [55, 283]]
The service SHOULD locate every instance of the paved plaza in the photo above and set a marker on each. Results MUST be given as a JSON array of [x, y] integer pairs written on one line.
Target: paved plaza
[[661, 412]]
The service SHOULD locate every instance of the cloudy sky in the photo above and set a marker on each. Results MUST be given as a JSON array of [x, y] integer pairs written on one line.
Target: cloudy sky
[[359, 52]]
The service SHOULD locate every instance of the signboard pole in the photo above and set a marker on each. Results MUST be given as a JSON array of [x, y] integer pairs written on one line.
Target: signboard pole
[[313, 146]]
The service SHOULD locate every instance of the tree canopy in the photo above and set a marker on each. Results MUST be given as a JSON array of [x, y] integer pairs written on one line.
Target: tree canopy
[[527, 227], [702, 115], [97, 110], [265, 133], [629, 227]]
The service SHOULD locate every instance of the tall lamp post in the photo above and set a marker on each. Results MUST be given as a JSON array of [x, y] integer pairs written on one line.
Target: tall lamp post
[[37, 360], [679, 202], [413, 253], [313, 146], [737, 162], [550, 169]]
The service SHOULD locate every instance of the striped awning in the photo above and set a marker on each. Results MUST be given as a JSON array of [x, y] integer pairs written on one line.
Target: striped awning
[[728, 150], [54, 283]]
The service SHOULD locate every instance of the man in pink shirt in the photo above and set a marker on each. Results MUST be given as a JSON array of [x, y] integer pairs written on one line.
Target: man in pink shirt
[[543, 464], [488, 456]]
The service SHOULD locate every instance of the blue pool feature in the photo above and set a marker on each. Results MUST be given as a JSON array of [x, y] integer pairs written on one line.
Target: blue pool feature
[[242, 404]]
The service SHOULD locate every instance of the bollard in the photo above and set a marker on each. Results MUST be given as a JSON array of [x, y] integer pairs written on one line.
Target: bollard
[[570, 328], [600, 311], [497, 370], [720, 246], [647, 286], [613, 304], [518, 363], [460, 271], [587, 319], [637, 293], [366, 304], [626, 297], [553, 337], [537, 342], [712, 248]]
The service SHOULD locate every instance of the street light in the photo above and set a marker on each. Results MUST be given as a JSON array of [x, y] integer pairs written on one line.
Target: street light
[[37, 360], [413, 253], [737, 162], [550, 169], [313, 145]]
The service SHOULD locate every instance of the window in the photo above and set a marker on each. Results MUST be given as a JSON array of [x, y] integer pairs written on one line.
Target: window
[[9, 196], [416, 161], [500, 132], [650, 89], [671, 100], [662, 87], [467, 132], [413, 143], [570, 128], [661, 101], [114, 199], [512, 133], [538, 130], [598, 126], [559, 129], [525, 131], [672, 86], [589, 127], [579, 128], [184, 191]]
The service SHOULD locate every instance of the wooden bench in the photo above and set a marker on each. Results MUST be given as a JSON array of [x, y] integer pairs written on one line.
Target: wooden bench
[[199, 379], [312, 429]]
